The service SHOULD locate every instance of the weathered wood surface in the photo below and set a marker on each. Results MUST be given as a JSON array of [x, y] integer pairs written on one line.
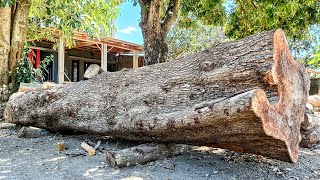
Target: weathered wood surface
[[314, 100], [310, 130], [247, 95], [144, 153]]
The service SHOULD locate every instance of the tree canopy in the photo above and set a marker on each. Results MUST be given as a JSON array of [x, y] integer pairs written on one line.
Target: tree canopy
[[199, 37], [294, 17], [94, 17]]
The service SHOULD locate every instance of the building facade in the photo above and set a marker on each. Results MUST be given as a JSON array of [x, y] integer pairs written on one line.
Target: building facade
[[69, 65]]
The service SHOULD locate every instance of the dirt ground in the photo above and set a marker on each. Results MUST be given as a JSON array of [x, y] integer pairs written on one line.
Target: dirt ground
[[37, 158]]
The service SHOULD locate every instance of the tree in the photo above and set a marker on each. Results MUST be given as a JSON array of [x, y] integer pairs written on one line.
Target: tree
[[240, 19], [158, 16], [13, 31], [294, 17], [22, 16]]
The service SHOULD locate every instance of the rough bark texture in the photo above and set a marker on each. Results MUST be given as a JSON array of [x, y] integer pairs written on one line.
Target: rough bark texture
[[247, 95], [13, 32], [144, 153], [5, 14], [155, 25], [19, 30]]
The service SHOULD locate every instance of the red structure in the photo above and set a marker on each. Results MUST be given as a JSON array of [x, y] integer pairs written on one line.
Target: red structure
[[31, 56], [36, 63], [37, 59]]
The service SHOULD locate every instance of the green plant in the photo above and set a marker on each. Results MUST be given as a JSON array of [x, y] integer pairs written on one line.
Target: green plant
[[314, 60], [26, 73]]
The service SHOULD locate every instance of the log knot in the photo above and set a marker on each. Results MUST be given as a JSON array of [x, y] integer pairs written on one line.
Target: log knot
[[207, 66]]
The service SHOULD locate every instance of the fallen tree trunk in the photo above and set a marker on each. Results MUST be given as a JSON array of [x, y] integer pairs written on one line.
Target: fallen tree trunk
[[144, 153], [247, 95]]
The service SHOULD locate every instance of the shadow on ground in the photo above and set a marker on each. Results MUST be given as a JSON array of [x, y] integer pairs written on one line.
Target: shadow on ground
[[38, 158]]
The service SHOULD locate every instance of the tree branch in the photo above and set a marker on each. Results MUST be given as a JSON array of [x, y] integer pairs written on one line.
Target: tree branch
[[171, 14]]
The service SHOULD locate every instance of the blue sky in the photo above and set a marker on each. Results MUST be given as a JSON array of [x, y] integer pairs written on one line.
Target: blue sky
[[128, 23]]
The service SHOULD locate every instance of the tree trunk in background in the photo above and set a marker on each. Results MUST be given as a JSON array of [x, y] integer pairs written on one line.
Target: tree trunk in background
[[5, 14], [13, 32], [19, 31], [248, 96], [155, 25]]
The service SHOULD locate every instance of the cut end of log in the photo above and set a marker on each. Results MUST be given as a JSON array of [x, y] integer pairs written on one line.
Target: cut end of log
[[91, 151], [282, 120]]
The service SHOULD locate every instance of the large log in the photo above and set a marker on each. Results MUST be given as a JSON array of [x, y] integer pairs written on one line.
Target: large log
[[247, 95]]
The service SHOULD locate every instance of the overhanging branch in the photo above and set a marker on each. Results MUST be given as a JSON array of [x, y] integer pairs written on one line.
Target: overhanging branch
[[171, 14]]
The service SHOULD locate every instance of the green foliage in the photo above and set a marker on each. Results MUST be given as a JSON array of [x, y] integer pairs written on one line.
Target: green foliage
[[26, 73], [183, 41], [94, 17], [314, 59], [3, 3], [294, 17], [208, 12]]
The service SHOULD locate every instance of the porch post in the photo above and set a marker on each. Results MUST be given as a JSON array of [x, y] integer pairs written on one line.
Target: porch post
[[104, 57], [61, 61], [37, 59], [135, 59]]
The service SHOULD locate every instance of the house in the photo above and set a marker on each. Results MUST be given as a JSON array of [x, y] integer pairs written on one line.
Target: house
[[69, 65]]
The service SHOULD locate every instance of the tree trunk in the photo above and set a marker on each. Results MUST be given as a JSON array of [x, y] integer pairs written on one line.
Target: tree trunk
[[248, 95], [19, 31], [155, 25], [5, 14], [13, 32]]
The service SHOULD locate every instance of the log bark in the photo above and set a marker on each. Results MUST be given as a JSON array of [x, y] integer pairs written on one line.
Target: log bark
[[247, 95], [144, 153]]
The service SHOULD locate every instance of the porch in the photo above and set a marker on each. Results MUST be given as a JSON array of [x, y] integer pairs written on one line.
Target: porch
[[69, 65]]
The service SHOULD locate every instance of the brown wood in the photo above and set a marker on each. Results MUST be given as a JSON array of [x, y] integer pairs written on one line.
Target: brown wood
[[144, 153], [310, 130], [91, 151], [247, 95]]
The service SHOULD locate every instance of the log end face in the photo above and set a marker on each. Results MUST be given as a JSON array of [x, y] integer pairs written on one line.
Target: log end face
[[276, 125], [282, 120]]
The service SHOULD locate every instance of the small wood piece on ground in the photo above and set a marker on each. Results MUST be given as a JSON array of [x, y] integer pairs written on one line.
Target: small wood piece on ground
[[144, 153], [6, 125], [91, 151], [96, 146], [60, 146]]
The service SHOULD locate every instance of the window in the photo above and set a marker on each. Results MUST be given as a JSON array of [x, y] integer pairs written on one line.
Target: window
[[75, 71]]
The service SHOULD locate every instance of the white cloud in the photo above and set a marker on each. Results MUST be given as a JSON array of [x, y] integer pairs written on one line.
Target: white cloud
[[128, 30]]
